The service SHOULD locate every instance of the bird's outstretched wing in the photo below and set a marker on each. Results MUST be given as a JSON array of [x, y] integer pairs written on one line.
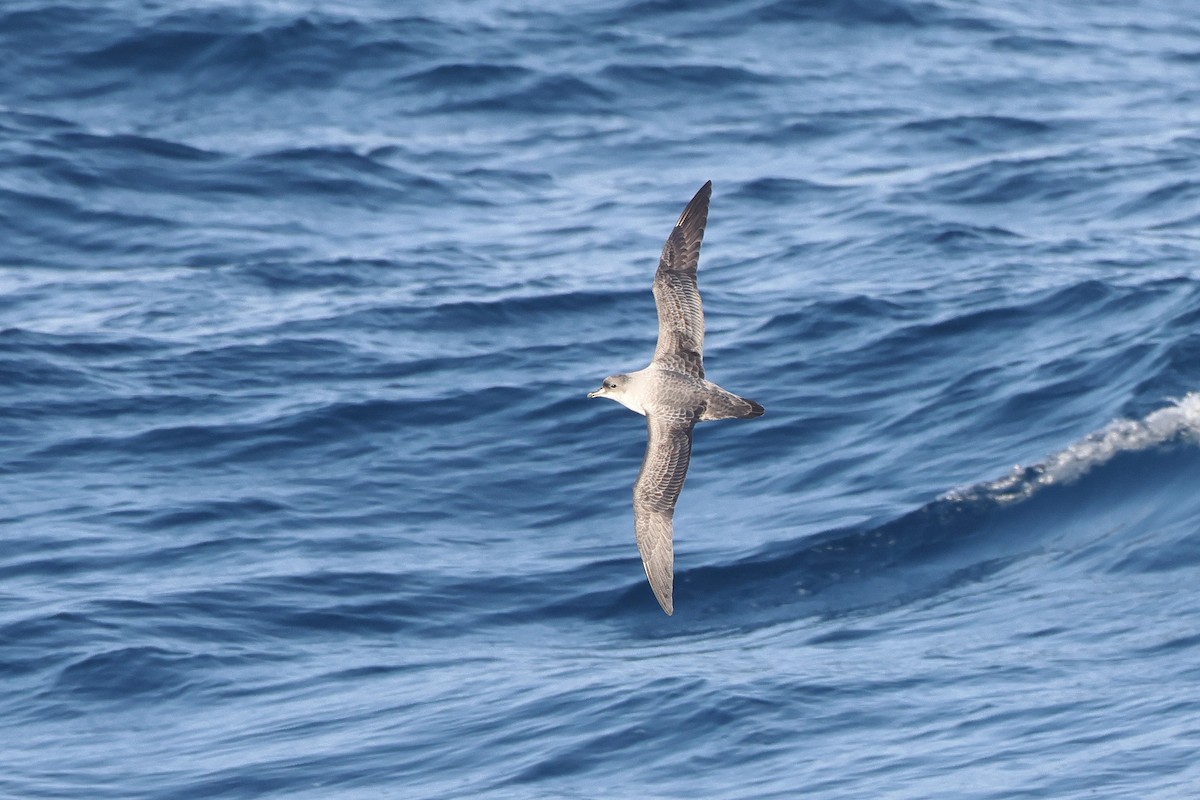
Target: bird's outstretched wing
[[680, 315], [668, 450]]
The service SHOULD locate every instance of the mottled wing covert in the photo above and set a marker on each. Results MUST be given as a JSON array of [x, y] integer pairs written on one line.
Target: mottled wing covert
[[668, 450], [680, 315]]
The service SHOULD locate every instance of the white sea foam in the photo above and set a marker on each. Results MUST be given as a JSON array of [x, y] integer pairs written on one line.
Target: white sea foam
[[1180, 421]]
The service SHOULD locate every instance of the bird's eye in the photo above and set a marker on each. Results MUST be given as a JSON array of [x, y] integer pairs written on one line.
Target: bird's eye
[[610, 386]]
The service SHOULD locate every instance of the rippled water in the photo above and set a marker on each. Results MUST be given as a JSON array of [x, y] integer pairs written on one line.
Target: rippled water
[[302, 496]]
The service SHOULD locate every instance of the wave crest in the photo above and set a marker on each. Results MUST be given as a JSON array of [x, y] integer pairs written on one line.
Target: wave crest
[[1180, 421]]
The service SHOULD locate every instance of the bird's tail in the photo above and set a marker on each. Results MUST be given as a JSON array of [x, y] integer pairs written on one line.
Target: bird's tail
[[729, 406]]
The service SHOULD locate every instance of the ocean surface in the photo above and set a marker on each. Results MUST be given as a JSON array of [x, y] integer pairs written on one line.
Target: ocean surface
[[301, 495]]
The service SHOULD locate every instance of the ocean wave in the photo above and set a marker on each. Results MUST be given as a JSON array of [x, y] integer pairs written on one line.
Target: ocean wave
[[540, 94], [712, 77], [1180, 421], [852, 12], [226, 46]]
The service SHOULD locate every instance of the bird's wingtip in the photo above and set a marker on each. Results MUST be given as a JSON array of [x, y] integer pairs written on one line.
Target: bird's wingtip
[[663, 588]]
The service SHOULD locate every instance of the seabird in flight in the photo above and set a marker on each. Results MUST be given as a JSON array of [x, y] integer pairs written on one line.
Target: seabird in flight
[[673, 396]]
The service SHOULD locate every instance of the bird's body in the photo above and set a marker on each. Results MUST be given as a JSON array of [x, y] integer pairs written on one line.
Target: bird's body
[[661, 391], [673, 394]]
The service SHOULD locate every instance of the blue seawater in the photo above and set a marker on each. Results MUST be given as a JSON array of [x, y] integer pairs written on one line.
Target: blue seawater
[[302, 496]]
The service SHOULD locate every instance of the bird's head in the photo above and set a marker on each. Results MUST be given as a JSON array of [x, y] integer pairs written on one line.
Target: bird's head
[[612, 387]]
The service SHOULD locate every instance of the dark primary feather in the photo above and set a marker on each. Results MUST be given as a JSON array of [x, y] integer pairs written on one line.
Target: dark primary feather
[[680, 315], [668, 451]]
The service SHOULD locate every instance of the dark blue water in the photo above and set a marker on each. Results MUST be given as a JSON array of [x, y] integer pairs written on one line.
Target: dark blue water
[[302, 497]]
